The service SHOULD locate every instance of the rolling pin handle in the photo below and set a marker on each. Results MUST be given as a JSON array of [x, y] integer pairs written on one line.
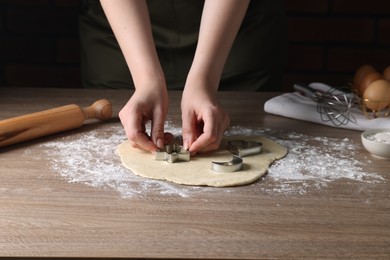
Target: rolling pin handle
[[101, 109]]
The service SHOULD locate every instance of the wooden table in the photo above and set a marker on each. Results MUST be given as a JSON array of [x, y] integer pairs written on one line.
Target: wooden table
[[44, 214]]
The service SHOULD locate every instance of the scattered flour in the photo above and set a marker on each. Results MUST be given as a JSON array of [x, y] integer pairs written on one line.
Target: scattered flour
[[90, 158], [316, 161]]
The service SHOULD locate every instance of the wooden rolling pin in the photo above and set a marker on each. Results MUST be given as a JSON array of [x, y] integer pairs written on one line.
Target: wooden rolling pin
[[27, 127]]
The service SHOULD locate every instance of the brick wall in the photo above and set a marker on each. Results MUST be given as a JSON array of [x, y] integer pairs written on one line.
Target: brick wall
[[329, 39], [39, 43]]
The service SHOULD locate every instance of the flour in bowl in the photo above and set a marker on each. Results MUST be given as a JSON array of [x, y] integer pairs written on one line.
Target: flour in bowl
[[380, 137]]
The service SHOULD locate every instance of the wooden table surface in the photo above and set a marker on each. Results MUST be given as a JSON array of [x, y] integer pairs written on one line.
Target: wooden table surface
[[42, 213]]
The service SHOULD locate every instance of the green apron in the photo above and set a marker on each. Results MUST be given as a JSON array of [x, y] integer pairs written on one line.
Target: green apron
[[256, 61]]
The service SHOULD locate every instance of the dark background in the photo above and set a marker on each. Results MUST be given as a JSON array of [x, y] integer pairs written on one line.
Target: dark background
[[329, 39]]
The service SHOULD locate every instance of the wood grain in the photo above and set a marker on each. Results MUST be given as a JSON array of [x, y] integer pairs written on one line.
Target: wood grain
[[41, 214]]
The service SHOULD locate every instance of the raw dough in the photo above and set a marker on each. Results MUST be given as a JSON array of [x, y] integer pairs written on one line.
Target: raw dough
[[198, 170]]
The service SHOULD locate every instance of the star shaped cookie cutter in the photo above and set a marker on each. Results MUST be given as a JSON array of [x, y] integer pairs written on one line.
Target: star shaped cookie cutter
[[239, 149], [172, 153]]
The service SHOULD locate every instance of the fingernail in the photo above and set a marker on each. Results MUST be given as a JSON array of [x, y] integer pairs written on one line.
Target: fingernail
[[185, 145], [160, 143]]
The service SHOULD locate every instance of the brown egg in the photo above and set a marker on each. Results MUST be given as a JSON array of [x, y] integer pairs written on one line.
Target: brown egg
[[360, 73], [367, 80], [386, 73], [377, 95]]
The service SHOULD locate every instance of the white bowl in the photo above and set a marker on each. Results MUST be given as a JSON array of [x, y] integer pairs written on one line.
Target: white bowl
[[377, 142]]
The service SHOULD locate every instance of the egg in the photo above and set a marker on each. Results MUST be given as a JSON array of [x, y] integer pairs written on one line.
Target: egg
[[386, 73], [376, 97], [367, 80], [360, 73]]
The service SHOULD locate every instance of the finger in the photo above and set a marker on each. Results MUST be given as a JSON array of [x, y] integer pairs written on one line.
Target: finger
[[158, 129], [212, 135], [188, 129], [134, 145], [205, 143], [144, 143], [135, 131], [209, 139]]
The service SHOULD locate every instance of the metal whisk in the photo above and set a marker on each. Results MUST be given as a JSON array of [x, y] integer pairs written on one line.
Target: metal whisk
[[333, 105]]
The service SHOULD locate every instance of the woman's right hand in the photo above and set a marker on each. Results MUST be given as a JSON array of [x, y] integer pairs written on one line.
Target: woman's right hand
[[130, 23], [146, 104]]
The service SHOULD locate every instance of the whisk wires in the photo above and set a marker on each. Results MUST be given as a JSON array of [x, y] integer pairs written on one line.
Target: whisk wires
[[333, 105]]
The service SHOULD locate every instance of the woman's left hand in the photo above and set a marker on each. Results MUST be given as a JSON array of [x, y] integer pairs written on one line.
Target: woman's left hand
[[203, 120]]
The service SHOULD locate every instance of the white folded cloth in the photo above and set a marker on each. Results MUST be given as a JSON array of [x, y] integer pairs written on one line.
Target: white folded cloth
[[294, 105]]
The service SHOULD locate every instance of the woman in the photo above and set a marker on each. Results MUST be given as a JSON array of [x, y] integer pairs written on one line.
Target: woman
[[197, 46]]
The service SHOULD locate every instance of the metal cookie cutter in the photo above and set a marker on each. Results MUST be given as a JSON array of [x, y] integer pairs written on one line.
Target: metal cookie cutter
[[231, 166], [173, 153], [239, 148], [243, 148]]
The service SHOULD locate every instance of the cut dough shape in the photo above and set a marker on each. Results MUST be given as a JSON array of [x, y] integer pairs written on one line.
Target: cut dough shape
[[198, 171]]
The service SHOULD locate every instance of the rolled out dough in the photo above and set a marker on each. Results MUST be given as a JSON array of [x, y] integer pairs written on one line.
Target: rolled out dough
[[198, 171]]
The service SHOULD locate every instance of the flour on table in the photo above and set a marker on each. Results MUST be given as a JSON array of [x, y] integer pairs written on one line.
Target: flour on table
[[316, 162], [88, 157]]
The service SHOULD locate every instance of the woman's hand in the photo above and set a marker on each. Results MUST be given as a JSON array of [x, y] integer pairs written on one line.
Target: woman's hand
[[131, 25], [203, 120], [146, 105]]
